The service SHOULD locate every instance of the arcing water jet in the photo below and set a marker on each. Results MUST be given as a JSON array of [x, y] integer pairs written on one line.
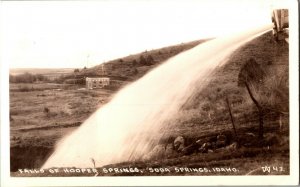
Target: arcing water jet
[[126, 128]]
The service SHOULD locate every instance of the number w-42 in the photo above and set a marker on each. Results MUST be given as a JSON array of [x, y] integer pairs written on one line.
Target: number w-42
[[272, 168]]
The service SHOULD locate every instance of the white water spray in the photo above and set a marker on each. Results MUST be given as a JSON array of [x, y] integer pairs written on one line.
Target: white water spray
[[127, 127]]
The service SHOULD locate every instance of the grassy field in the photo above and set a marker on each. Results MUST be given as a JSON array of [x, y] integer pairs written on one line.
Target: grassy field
[[47, 112], [50, 111]]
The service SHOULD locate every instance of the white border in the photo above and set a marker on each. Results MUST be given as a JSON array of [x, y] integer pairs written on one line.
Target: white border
[[293, 179]]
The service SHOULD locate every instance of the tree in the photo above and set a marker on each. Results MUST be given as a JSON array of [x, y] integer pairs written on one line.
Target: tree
[[134, 62], [251, 74], [143, 60], [149, 60], [135, 71]]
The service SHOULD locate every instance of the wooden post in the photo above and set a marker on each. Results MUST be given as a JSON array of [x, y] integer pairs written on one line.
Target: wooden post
[[231, 117], [260, 112]]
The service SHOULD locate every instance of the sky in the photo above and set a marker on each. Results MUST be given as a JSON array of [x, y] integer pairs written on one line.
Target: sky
[[74, 34]]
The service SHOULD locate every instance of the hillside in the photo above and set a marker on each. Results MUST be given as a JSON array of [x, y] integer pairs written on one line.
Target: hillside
[[52, 73], [132, 67]]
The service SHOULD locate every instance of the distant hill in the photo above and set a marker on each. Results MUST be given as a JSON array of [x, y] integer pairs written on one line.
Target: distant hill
[[51, 73]]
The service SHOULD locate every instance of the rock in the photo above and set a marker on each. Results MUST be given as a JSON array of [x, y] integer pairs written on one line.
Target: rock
[[200, 142], [210, 151], [221, 137], [179, 143], [232, 147], [213, 145], [220, 144], [204, 148], [190, 149], [250, 134], [221, 141], [169, 150]]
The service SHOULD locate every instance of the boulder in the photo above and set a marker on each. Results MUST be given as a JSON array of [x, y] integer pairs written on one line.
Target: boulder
[[179, 143], [169, 150]]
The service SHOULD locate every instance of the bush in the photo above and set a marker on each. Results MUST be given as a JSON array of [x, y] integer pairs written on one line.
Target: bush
[[27, 78], [143, 60], [135, 71], [46, 110], [148, 61], [134, 62]]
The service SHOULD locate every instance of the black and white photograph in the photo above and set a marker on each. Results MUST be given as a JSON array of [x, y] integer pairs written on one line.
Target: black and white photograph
[[161, 92]]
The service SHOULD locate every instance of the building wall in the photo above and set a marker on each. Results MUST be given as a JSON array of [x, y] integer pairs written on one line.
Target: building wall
[[98, 82]]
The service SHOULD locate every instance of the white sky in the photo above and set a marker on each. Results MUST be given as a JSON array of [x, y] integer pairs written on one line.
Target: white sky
[[58, 34]]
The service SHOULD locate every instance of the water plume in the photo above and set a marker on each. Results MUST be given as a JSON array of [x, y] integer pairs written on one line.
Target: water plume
[[126, 128]]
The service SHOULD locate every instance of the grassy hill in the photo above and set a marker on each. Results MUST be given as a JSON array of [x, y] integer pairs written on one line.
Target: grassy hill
[[132, 67], [208, 106]]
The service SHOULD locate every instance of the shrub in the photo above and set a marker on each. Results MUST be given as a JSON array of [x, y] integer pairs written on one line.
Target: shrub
[[46, 110], [135, 71], [150, 60], [143, 60], [27, 78], [24, 89], [134, 62]]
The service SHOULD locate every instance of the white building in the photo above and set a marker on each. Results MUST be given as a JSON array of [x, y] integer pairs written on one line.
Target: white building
[[96, 82]]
